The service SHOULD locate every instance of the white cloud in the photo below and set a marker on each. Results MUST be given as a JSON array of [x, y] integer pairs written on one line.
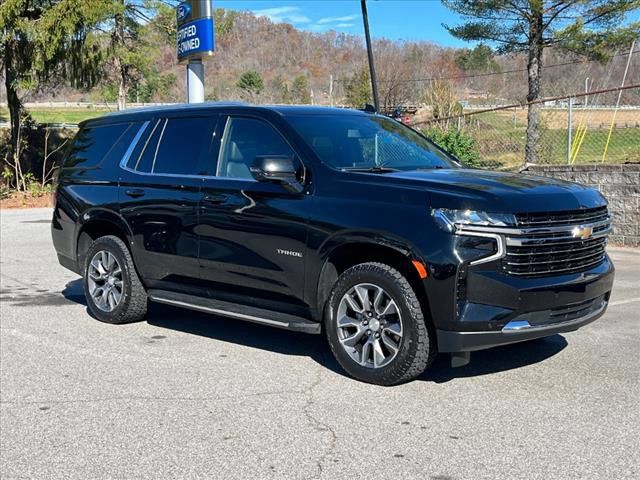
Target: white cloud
[[344, 25], [339, 20], [288, 14]]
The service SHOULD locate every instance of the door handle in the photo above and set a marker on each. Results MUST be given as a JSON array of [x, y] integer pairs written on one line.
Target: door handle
[[135, 193], [215, 199]]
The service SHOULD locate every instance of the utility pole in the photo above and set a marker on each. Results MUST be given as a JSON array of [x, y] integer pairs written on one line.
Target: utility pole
[[372, 68], [331, 90]]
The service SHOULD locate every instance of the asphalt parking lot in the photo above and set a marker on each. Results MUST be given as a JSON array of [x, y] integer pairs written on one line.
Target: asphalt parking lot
[[185, 395]]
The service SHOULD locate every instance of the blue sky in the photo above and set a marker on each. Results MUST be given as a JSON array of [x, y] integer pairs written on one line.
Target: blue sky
[[394, 19]]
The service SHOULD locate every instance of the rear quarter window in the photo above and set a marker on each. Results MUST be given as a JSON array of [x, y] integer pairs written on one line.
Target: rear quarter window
[[92, 144]]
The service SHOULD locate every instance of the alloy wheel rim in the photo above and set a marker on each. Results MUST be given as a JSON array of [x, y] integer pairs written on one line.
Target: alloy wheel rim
[[105, 281], [369, 325]]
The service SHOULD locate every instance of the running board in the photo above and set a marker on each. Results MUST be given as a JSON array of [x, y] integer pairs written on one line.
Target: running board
[[234, 310]]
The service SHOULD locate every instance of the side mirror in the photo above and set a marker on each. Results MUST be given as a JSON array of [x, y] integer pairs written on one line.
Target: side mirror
[[276, 169]]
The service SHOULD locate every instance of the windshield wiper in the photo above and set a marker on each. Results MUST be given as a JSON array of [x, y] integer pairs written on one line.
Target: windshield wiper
[[376, 169]]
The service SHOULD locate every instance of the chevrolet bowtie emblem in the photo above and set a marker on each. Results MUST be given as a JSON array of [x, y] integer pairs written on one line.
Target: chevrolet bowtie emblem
[[582, 232]]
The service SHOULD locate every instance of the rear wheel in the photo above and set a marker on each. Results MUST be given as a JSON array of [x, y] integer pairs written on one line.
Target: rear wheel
[[375, 326], [112, 287]]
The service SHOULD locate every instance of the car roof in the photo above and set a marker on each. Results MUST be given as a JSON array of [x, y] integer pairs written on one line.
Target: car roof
[[284, 110]]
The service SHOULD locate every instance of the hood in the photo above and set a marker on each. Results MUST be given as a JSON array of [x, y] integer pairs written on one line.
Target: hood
[[501, 192]]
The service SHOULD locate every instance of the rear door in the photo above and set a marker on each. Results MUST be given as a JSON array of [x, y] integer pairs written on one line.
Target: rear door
[[159, 196], [252, 234]]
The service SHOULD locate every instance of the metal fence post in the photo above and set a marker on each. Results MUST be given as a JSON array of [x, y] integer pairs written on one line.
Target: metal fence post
[[569, 130]]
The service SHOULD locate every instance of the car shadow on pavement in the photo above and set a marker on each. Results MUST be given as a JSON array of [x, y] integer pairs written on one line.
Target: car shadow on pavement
[[497, 359], [484, 362], [243, 333]]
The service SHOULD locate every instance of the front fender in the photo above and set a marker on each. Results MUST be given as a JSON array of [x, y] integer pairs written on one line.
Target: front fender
[[324, 272]]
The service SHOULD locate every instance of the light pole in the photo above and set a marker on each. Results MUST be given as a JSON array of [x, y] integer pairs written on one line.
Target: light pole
[[372, 67]]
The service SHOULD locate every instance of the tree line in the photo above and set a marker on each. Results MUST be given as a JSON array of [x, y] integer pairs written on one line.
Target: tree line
[[118, 51]]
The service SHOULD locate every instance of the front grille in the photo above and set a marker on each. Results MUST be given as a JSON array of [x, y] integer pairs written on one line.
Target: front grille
[[547, 243], [589, 215]]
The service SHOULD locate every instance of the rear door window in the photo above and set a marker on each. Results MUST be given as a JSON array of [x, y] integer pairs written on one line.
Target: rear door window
[[93, 143], [185, 146]]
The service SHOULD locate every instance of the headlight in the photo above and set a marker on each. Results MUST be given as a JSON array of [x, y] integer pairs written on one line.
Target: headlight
[[448, 219], [471, 245]]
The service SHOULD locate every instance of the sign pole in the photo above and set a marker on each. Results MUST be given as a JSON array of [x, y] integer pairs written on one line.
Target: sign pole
[[195, 37], [195, 81]]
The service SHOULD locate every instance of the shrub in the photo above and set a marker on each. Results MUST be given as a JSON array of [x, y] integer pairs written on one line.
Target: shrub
[[5, 192], [457, 143]]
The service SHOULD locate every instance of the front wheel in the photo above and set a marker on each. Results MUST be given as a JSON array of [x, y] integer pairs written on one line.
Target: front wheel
[[375, 326]]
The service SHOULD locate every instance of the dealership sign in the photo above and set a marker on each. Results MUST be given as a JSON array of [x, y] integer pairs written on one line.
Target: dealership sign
[[195, 36]]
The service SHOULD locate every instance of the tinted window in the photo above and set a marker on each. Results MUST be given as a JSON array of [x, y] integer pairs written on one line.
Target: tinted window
[[92, 144], [245, 139], [366, 141], [120, 148], [146, 148], [184, 146]]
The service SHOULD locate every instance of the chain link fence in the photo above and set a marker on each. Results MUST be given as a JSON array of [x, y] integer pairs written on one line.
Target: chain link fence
[[580, 129]]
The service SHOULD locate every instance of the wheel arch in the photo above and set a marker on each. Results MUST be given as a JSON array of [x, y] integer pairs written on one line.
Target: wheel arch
[[345, 255], [98, 223]]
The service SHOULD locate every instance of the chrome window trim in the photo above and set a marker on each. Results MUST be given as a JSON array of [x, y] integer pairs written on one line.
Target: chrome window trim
[[132, 146], [134, 143], [155, 154]]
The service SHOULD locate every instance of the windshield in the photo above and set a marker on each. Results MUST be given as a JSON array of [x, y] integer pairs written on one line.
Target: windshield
[[368, 142]]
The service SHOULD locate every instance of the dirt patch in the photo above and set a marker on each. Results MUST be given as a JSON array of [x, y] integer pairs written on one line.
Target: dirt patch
[[26, 200]]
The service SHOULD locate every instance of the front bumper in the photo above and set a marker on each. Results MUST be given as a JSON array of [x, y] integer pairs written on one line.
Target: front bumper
[[517, 330], [498, 309]]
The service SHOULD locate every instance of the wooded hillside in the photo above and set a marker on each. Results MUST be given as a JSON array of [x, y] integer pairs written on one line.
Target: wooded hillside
[[297, 67]]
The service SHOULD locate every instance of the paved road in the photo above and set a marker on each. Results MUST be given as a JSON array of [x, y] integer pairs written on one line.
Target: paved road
[[185, 395]]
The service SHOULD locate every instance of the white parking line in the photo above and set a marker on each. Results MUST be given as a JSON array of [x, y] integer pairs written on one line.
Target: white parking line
[[622, 302]]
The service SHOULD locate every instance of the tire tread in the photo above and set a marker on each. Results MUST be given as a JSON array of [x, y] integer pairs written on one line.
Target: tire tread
[[136, 301], [425, 350]]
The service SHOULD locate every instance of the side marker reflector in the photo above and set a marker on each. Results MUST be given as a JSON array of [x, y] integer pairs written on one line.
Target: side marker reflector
[[419, 266]]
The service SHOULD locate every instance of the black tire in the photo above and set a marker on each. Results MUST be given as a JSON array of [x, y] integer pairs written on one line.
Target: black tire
[[417, 349], [133, 304]]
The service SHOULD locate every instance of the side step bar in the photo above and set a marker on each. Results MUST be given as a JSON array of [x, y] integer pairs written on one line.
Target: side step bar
[[234, 310]]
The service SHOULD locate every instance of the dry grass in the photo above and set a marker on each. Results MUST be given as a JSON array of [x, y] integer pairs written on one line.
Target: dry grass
[[557, 118]]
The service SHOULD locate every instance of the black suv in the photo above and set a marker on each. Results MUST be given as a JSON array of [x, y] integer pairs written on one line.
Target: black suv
[[317, 219]]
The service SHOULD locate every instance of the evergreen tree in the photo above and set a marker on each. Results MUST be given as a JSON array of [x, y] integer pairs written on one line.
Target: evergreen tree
[[300, 90], [251, 84], [358, 89], [44, 41], [590, 28]]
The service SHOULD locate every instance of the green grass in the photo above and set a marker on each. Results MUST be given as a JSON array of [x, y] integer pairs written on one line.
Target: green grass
[[501, 144], [58, 115]]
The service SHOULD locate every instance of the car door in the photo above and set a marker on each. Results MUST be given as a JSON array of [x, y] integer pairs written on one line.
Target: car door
[[159, 197], [252, 234]]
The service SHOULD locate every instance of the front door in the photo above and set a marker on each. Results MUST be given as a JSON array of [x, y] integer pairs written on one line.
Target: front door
[[252, 235]]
